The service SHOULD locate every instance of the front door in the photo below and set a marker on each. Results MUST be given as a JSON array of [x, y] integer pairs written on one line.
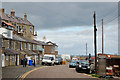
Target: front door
[[17, 59], [3, 60]]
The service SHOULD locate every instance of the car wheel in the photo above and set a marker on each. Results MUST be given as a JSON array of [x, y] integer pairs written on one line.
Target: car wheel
[[42, 63], [88, 71], [77, 70], [53, 64]]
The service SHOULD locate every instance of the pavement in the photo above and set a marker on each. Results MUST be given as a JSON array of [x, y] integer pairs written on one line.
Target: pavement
[[16, 71]]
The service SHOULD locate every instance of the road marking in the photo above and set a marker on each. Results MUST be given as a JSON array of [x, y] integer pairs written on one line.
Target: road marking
[[24, 75], [89, 75]]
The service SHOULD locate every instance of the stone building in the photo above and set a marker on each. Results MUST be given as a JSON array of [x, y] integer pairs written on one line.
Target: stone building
[[18, 40], [51, 48]]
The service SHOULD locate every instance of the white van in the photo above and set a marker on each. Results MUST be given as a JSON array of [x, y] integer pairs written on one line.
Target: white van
[[48, 59]]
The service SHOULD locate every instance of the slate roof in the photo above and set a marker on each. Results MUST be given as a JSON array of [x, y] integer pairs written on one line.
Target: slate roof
[[15, 19], [18, 38], [11, 51]]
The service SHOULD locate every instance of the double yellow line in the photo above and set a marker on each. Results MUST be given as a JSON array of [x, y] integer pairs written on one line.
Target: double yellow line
[[24, 75]]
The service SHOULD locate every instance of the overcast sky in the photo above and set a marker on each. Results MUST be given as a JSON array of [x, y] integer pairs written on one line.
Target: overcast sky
[[70, 25]]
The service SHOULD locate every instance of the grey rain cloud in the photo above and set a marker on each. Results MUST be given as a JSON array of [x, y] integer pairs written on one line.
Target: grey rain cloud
[[59, 15], [52, 19]]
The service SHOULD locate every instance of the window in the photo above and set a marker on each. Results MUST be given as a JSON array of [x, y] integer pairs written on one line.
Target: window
[[24, 27], [6, 57], [10, 57], [21, 47], [25, 45], [8, 44], [11, 44], [15, 44], [13, 58], [29, 46], [33, 46], [38, 47], [30, 29], [2, 43], [17, 28], [8, 33], [56, 48]]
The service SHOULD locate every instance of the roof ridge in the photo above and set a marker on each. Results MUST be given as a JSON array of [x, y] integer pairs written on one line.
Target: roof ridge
[[18, 19]]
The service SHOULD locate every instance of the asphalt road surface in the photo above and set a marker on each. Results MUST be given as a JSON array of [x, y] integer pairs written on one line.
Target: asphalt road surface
[[58, 71]]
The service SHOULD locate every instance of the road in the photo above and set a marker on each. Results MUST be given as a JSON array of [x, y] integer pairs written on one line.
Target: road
[[57, 71]]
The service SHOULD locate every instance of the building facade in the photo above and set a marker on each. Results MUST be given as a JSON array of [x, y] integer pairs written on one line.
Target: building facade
[[51, 48], [18, 40]]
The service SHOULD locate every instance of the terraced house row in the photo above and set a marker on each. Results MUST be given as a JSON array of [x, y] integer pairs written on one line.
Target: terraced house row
[[19, 40]]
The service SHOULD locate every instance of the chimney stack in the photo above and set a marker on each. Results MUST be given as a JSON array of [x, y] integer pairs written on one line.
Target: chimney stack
[[35, 34], [25, 16], [12, 12], [2, 10]]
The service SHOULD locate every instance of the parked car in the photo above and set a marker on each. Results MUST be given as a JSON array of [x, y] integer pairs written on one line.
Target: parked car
[[74, 59], [58, 60], [83, 66], [72, 64], [48, 60]]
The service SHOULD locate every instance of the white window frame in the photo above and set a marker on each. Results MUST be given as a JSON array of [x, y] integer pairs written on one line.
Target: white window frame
[[21, 46], [6, 57], [29, 46]]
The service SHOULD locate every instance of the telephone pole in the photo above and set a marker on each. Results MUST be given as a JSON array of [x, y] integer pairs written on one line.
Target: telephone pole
[[86, 50], [102, 39], [95, 45]]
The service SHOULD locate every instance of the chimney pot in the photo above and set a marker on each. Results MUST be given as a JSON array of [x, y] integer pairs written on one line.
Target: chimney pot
[[25, 16], [2, 10], [12, 12]]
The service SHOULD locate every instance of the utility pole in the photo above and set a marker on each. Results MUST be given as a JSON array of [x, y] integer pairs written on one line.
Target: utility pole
[[102, 39], [86, 50], [95, 45]]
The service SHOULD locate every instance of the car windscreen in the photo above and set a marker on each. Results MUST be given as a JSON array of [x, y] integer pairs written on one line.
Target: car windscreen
[[47, 57], [73, 61], [83, 62]]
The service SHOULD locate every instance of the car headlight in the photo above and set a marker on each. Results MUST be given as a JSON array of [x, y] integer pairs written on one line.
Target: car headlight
[[88, 66], [79, 65]]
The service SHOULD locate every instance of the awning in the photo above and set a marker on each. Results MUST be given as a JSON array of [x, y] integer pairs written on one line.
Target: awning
[[11, 51]]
